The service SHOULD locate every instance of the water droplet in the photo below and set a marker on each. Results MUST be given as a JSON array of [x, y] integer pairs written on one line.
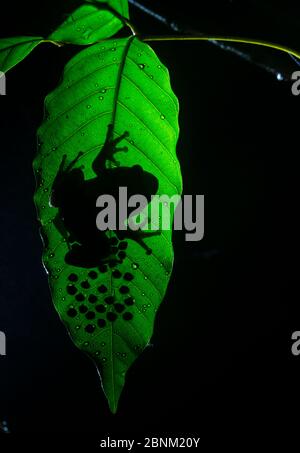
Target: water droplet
[[143, 294], [54, 148], [135, 266], [51, 255], [88, 106], [82, 134], [131, 142], [46, 190], [159, 66], [162, 117], [151, 77], [139, 54], [103, 344], [86, 343], [113, 49], [142, 66], [101, 98], [104, 359], [103, 90], [146, 278], [77, 327], [96, 85], [123, 355], [97, 353]]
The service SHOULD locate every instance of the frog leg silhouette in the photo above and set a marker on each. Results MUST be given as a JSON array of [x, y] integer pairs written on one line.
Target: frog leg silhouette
[[59, 225], [139, 237], [62, 171], [108, 150]]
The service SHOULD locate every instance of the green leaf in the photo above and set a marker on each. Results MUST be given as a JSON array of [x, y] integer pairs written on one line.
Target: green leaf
[[120, 83], [121, 6], [89, 24], [14, 50]]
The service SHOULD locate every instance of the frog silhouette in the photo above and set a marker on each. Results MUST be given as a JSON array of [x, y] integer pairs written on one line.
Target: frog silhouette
[[75, 197]]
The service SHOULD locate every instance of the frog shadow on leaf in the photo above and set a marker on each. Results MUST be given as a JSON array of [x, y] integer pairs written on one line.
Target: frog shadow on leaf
[[75, 197]]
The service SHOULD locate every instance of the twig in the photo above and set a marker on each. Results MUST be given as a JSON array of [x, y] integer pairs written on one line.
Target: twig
[[218, 40]]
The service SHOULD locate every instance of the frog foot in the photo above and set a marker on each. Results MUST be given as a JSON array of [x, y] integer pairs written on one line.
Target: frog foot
[[74, 161], [113, 148], [109, 149]]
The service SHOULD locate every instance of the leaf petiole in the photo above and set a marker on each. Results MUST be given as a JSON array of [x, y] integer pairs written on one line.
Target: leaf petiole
[[233, 39]]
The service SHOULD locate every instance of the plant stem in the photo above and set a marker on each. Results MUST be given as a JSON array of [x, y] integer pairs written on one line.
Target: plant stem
[[56, 43], [221, 43], [257, 42]]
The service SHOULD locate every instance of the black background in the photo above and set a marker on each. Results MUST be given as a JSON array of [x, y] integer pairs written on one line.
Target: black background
[[221, 357]]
